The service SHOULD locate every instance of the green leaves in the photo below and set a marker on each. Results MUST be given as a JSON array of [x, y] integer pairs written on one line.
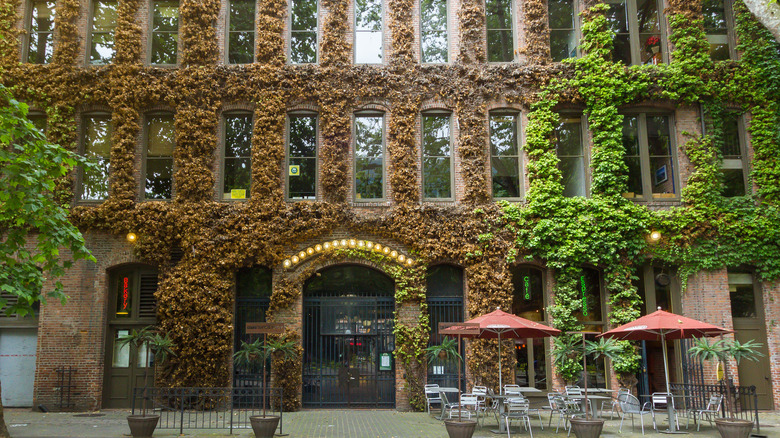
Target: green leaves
[[448, 349], [722, 350]]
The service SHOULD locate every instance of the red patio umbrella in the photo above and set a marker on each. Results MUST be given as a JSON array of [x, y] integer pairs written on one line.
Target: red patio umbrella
[[498, 324], [660, 326]]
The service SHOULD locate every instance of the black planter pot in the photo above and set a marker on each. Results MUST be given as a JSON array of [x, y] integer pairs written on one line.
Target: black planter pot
[[460, 429], [142, 426], [586, 428], [734, 428], [264, 427]]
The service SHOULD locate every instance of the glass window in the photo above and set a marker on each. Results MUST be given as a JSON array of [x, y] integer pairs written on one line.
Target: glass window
[[97, 148], [165, 32], [124, 296], [505, 156], [637, 28], [562, 18], [437, 161], [433, 31], [500, 38], [238, 156], [39, 43], [302, 157], [649, 156], [241, 32], [569, 146], [742, 294], [369, 158], [716, 24], [303, 31], [101, 35], [732, 152], [528, 297], [160, 141], [590, 294], [368, 31], [121, 357]]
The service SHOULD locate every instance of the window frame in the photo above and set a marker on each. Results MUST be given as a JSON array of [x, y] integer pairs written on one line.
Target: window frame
[[633, 30], [79, 189], [26, 36], [316, 116], [90, 32], [421, 30], [383, 51], [578, 8], [449, 115], [585, 144], [150, 36], [520, 139], [145, 158], [731, 35], [543, 273], [743, 162], [355, 116], [644, 157], [222, 157], [317, 32], [226, 59], [513, 31]]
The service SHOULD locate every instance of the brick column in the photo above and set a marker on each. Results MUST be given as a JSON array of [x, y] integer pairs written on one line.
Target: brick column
[[408, 314], [772, 319]]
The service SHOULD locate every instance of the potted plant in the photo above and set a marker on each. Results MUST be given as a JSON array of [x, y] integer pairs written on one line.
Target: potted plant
[[721, 351], [160, 346], [442, 353], [256, 352]]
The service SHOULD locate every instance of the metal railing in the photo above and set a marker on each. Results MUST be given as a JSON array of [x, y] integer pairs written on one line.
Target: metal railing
[[744, 399], [208, 408]]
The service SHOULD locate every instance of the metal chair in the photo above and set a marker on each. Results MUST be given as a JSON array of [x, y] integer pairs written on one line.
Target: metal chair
[[447, 406], [659, 403], [431, 396], [512, 390], [573, 390], [573, 409], [614, 403], [471, 402], [517, 409], [629, 405], [712, 409], [551, 406]]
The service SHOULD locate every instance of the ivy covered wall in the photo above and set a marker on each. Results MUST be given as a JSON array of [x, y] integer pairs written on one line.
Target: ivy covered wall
[[605, 230]]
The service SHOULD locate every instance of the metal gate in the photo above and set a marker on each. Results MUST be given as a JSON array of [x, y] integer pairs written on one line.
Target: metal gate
[[345, 339], [448, 309]]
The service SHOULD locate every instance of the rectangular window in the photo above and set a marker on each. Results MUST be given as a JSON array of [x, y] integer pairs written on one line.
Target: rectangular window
[[649, 157], [637, 27], [101, 35], [97, 148], [302, 157], [39, 43], [500, 38], [437, 153], [368, 32], [369, 158], [732, 151], [238, 156], [165, 32], [569, 146], [505, 156], [303, 31], [241, 32], [717, 21], [562, 18], [742, 295], [160, 141], [433, 31]]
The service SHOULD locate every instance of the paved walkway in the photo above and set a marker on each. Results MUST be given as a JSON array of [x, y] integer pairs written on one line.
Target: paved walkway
[[24, 423]]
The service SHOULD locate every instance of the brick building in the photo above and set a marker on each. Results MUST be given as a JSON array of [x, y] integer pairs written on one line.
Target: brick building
[[336, 166]]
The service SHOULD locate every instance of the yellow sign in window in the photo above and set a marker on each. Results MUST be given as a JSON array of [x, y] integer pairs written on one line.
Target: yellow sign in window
[[295, 169], [238, 194]]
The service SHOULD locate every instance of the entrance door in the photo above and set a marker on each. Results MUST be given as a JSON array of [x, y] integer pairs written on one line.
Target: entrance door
[[125, 369], [348, 337], [747, 311]]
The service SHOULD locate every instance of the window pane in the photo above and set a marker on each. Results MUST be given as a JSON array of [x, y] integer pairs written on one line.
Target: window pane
[[238, 176], [165, 27], [41, 28], [540, 364], [165, 16], [733, 182], [102, 50], [742, 294], [303, 38], [505, 160], [159, 157], [573, 170], [164, 48], [528, 297], [500, 41], [632, 159], [121, 357], [563, 41], [104, 15], [716, 27], [659, 142], [97, 148], [368, 15], [368, 178], [731, 148], [436, 157], [161, 136], [254, 283], [506, 177], [571, 156], [238, 153], [436, 177], [503, 135], [242, 15], [617, 17], [589, 289], [369, 162], [433, 27], [241, 35], [368, 47], [302, 153]]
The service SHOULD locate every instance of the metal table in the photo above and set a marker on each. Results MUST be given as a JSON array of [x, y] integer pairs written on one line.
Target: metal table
[[581, 398]]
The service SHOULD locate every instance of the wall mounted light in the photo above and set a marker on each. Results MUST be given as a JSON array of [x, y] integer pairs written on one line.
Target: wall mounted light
[[131, 237], [365, 245], [655, 236]]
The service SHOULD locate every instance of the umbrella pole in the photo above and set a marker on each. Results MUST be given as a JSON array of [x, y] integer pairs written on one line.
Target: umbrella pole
[[669, 404], [460, 389], [499, 363]]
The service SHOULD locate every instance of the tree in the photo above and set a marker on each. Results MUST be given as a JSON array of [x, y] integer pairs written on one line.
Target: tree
[[768, 13], [34, 226]]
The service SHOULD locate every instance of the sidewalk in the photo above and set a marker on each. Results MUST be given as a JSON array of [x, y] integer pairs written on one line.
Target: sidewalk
[[23, 423]]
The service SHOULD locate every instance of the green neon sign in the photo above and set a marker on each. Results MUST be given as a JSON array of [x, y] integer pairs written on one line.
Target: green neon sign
[[526, 287], [584, 297]]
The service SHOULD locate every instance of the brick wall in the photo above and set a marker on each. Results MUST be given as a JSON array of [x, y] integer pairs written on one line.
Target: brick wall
[[771, 293]]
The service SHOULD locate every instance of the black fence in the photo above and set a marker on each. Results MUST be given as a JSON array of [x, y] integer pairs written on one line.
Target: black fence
[[208, 408], [744, 399]]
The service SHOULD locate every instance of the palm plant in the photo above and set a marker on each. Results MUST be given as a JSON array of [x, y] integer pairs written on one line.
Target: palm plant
[[448, 349], [722, 350], [567, 356], [255, 352], [160, 345]]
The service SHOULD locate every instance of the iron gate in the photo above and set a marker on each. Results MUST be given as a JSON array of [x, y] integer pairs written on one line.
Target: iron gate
[[344, 341], [449, 309]]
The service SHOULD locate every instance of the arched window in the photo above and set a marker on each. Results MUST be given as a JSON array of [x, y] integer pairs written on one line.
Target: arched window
[[444, 286], [253, 296], [528, 302]]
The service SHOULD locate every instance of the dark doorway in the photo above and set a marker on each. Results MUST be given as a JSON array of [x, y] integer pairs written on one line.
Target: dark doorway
[[348, 339]]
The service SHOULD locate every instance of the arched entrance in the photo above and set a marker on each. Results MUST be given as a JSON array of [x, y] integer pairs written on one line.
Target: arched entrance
[[348, 338]]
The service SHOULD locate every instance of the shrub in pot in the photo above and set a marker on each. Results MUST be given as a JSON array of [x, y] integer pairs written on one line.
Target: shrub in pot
[[264, 426], [722, 350], [441, 353], [160, 346]]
